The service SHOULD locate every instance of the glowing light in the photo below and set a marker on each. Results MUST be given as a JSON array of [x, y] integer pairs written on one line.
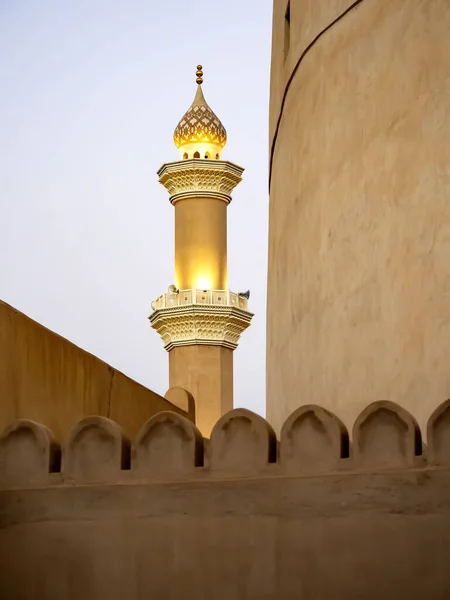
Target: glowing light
[[203, 283], [204, 148]]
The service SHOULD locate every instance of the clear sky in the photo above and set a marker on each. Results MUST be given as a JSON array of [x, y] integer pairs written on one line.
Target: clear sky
[[91, 91]]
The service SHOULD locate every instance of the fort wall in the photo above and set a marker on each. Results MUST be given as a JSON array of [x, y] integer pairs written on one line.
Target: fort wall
[[47, 378], [315, 514], [359, 221]]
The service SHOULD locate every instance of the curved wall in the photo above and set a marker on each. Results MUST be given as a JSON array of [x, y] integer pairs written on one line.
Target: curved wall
[[359, 225]]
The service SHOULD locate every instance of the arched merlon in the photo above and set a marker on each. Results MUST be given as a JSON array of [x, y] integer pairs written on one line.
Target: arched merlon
[[167, 446], [242, 442], [313, 439], [97, 450], [387, 436], [28, 453]]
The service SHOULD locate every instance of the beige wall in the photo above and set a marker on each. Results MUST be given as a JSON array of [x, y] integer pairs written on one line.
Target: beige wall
[[232, 520], [206, 543], [207, 373], [46, 378], [359, 225]]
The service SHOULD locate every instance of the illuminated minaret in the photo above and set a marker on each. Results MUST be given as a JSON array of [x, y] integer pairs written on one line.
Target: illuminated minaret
[[199, 319]]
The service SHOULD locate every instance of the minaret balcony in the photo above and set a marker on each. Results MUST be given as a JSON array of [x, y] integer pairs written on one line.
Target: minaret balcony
[[195, 316], [196, 296]]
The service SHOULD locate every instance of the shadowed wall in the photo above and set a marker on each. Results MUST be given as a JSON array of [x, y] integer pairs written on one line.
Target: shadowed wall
[[168, 517], [359, 224], [47, 378]]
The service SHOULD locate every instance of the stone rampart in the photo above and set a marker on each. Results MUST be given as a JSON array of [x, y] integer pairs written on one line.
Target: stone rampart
[[318, 513]]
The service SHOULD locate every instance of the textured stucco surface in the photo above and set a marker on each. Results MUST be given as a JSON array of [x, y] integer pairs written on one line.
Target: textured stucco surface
[[359, 225], [329, 537], [48, 379]]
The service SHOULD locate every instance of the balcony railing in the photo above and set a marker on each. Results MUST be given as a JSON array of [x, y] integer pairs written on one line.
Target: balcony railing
[[195, 296]]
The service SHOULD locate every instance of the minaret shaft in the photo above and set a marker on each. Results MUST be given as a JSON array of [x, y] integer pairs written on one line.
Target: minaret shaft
[[207, 373], [201, 244]]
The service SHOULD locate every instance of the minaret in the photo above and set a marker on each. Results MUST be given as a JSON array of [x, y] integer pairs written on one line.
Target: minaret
[[199, 319]]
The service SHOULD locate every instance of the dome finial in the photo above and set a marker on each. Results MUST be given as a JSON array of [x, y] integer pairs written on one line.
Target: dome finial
[[199, 74], [200, 133]]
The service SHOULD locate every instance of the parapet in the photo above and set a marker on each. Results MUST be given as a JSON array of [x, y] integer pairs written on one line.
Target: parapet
[[169, 447]]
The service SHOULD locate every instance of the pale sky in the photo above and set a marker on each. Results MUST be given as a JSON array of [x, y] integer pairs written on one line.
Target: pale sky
[[91, 91]]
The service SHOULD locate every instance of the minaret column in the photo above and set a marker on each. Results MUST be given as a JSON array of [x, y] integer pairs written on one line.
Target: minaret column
[[201, 243], [207, 373], [200, 319]]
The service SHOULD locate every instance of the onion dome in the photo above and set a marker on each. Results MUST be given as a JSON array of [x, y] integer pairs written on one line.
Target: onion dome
[[200, 133]]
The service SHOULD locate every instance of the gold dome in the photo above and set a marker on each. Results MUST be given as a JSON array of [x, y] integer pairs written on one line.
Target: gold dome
[[200, 128]]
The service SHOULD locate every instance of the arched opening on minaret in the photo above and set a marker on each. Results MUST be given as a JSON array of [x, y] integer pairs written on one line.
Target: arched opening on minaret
[[207, 155], [217, 157], [196, 154], [185, 156]]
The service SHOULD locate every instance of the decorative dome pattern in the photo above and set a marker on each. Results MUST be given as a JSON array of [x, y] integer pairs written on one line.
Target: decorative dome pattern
[[199, 124]]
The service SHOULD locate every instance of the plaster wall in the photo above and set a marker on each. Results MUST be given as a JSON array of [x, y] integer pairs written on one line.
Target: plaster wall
[[46, 378], [359, 224], [326, 538]]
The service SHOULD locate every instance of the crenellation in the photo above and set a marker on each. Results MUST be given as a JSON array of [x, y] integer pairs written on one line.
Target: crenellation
[[97, 450], [29, 452], [313, 439], [242, 442], [386, 435], [170, 448]]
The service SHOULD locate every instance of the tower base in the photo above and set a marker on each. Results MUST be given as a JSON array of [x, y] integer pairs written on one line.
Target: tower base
[[200, 329], [207, 373]]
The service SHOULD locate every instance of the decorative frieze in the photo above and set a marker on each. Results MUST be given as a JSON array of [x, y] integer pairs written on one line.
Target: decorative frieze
[[197, 323], [200, 178]]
